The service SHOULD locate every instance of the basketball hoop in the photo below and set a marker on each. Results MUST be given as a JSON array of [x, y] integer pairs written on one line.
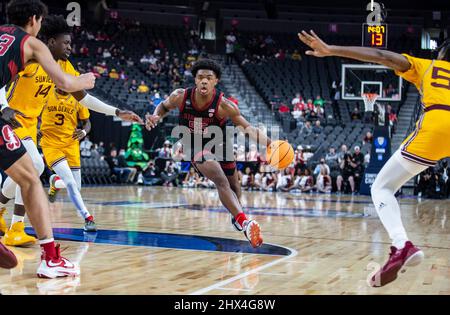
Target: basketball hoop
[[369, 100]]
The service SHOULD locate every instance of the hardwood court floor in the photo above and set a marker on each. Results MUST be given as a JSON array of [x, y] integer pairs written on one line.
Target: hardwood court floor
[[323, 244]]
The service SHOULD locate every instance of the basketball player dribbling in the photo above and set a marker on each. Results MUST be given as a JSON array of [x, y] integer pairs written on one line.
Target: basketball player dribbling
[[423, 148], [201, 107]]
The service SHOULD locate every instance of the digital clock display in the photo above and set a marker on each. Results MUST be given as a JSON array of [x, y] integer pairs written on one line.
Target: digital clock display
[[374, 35]]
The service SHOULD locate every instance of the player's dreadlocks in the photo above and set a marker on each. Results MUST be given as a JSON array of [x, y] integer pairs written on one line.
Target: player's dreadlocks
[[207, 64], [53, 26], [444, 50], [19, 12]]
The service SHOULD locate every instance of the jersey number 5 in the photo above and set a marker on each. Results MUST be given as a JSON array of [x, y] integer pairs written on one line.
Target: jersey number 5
[[5, 42], [60, 118], [442, 74]]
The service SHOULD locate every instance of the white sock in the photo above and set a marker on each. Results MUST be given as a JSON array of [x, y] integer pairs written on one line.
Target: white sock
[[16, 218], [396, 172], [38, 164], [63, 171]]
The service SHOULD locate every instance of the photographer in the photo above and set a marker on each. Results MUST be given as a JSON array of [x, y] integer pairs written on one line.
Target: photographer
[[170, 175], [347, 167]]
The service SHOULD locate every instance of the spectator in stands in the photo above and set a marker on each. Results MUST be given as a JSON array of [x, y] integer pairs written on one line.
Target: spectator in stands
[[165, 152], [231, 38], [317, 129], [307, 129], [297, 102], [192, 179], [253, 154], [123, 75], [283, 108], [321, 165], [123, 164], [323, 183], [170, 175], [284, 179], [319, 101], [296, 55], [358, 165], [101, 148], [392, 117], [99, 52], [356, 115], [331, 156], [229, 52], [309, 105], [247, 179], [347, 173], [269, 181], [113, 74], [133, 86], [368, 138], [84, 50], [306, 182], [342, 153], [280, 55], [143, 88], [240, 154], [130, 62], [156, 99], [149, 175], [122, 174], [106, 53], [85, 147], [312, 116], [299, 158]]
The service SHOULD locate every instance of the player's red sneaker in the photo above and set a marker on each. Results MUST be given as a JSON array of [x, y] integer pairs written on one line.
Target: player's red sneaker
[[56, 267], [409, 256], [252, 231]]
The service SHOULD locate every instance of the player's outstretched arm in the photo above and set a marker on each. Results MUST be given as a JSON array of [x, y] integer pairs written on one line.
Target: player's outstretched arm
[[174, 101], [384, 57], [231, 111], [34, 49], [98, 106]]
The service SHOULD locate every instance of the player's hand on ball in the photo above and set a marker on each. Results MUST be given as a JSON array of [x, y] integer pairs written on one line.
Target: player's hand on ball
[[151, 121], [9, 115], [128, 115], [79, 134], [320, 48]]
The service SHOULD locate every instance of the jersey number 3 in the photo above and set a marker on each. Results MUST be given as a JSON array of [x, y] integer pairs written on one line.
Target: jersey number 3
[[5, 42], [60, 118]]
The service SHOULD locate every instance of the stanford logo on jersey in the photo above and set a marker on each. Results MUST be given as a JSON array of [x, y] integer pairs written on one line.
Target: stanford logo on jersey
[[10, 139]]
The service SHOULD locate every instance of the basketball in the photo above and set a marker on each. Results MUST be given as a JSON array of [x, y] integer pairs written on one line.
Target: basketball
[[280, 154]]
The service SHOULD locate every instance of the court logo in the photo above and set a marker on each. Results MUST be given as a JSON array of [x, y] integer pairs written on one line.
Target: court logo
[[74, 17]]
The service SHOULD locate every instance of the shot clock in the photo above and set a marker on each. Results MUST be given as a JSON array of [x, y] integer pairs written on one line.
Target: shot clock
[[374, 35]]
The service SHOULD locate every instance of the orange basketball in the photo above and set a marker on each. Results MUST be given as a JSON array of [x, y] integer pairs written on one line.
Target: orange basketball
[[280, 154]]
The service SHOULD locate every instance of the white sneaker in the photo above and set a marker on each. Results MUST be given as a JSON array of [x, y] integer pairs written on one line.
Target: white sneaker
[[252, 232], [57, 267]]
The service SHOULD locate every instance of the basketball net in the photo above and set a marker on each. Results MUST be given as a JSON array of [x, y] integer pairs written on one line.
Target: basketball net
[[369, 100]]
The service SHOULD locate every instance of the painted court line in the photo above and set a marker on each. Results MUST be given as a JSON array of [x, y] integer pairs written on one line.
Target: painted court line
[[220, 284]]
